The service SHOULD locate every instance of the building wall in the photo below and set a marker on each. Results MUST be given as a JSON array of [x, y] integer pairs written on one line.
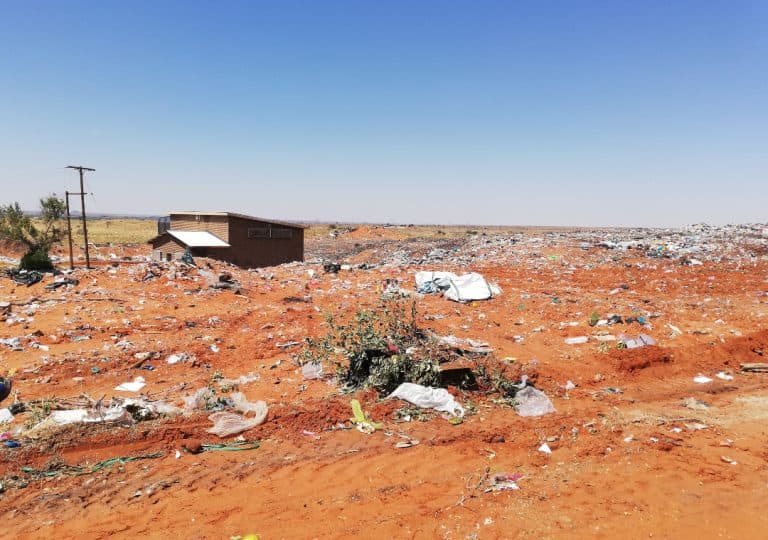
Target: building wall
[[218, 225], [165, 246], [250, 251], [257, 249]]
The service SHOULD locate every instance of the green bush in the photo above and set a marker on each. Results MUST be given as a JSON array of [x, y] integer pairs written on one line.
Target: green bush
[[370, 350], [36, 260]]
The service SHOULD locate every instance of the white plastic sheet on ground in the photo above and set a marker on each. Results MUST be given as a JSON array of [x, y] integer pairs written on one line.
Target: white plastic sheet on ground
[[57, 419], [532, 402], [88, 416], [5, 416], [134, 386], [428, 398], [465, 288]]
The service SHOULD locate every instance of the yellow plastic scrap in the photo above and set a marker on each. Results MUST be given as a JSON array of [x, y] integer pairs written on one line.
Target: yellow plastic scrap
[[364, 424]]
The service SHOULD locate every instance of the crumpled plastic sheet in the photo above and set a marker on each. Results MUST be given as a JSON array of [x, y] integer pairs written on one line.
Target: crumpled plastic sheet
[[227, 423], [634, 343], [428, 398], [312, 370], [532, 402]]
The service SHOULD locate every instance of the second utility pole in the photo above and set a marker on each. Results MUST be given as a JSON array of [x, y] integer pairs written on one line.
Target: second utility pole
[[82, 205]]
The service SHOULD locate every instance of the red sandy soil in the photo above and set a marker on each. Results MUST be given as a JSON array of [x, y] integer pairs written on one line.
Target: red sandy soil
[[619, 468]]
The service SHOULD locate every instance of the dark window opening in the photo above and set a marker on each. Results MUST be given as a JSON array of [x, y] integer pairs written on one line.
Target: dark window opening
[[258, 232], [274, 233]]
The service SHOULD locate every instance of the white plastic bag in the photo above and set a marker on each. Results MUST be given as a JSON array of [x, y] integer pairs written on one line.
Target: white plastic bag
[[5, 416], [312, 370], [227, 423], [428, 398], [463, 288], [471, 287], [532, 402]]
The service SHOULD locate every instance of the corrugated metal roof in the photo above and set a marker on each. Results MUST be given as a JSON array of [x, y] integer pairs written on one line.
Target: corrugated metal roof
[[198, 238], [243, 216]]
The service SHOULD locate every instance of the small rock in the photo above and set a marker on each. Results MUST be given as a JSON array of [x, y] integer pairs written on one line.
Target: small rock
[[193, 446]]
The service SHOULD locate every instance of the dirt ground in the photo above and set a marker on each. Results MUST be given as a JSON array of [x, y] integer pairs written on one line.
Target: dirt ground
[[638, 449]]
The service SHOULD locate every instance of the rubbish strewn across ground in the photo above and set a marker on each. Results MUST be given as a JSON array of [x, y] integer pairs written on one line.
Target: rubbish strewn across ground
[[496, 384]]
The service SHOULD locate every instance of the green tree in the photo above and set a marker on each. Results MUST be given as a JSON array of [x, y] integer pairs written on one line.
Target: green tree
[[15, 226]]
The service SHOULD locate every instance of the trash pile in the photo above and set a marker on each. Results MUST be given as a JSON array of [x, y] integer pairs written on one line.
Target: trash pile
[[376, 336]]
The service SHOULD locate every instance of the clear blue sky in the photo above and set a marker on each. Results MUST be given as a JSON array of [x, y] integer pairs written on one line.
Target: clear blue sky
[[541, 112]]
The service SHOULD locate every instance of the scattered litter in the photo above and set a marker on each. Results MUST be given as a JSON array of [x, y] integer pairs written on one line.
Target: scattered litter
[[465, 345], [176, 358], [62, 282], [5, 387], [728, 460], [407, 443], [695, 404], [204, 399], [578, 340], [142, 409], [724, 376], [363, 423], [242, 379], [63, 469], [702, 379], [24, 277], [545, 449], [675, 330], [234, 446], [758, 367], [635, 343], [227, 282], [287, 344], [503, 482], [13, 343]]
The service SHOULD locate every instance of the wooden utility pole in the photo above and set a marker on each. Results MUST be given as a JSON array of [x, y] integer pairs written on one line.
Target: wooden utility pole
[[82, 206], [69, 233], [69, 230]]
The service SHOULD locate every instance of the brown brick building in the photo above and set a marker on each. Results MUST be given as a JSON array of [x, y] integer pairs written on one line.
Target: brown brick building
[[243, 240]]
